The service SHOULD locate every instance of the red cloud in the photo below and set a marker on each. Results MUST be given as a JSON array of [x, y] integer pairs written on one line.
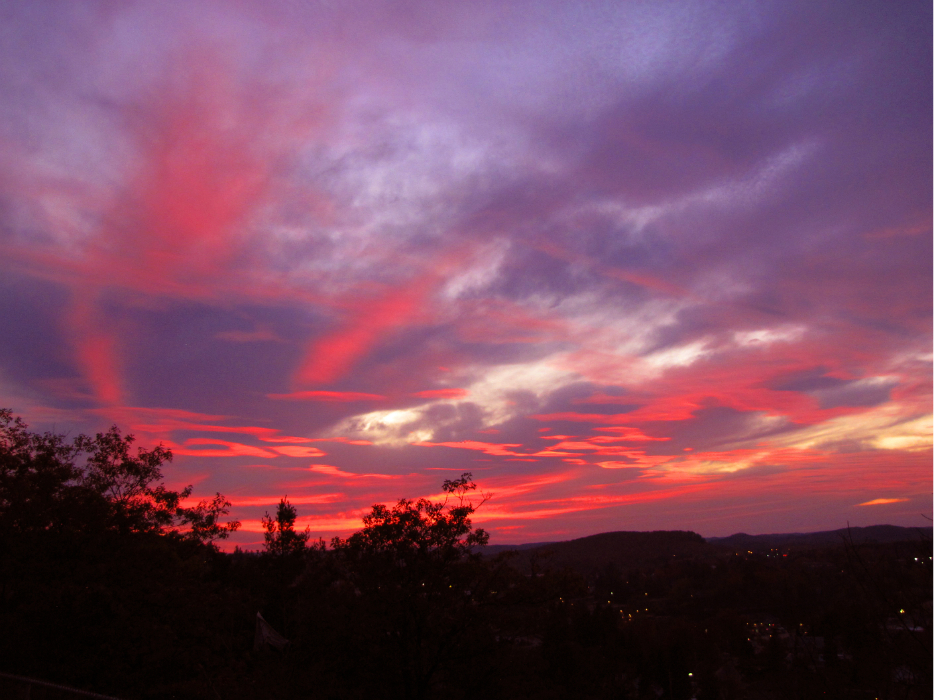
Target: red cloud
[[603, 398], [332, 356], [330, 396], [489, 448], [299, 451], [97, 356], [96, 349], [316, 499]]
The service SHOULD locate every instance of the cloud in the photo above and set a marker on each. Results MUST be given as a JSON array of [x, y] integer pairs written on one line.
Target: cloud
[[212, 447], [299, 451], [883, 427], [330, 470], [496, 449], [260, 335], [330, 396], [883, 501], [863, 392], [441, 394], [331, 357]]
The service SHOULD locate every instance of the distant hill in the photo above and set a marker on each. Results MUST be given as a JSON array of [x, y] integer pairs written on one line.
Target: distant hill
[[637, 549], [625, 549], [491, 550], [879, 534]]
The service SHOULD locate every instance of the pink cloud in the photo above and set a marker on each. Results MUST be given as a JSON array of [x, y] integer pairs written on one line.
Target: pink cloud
[[331, 470], [227, 449], [502, 321], [441, 394]]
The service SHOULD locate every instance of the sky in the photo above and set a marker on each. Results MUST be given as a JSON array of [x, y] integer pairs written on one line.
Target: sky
[[634, 266]]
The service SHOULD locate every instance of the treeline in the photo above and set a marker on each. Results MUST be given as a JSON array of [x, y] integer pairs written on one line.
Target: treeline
[[109, 583]]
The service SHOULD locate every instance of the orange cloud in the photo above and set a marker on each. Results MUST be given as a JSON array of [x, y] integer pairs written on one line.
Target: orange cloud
[[618, 465], [883, 501]]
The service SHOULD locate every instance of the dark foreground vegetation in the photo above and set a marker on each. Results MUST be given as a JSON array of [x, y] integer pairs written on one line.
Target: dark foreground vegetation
[[110, 583]]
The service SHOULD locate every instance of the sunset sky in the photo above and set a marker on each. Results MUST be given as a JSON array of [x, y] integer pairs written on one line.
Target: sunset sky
[[635, 265]]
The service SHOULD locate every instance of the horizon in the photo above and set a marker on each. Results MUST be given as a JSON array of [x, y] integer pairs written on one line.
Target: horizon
[[751, 534], [634, 267], [228, 549]]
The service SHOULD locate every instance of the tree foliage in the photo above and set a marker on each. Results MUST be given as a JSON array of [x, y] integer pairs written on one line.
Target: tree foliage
[[421, 529], [100, 483], [106, 574], [416, 588], [281, 539]]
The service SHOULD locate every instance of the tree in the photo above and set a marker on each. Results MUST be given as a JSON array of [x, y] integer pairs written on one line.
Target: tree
[[281, 537], [420, 530], [45, 487], [415, 587], [94, 547]]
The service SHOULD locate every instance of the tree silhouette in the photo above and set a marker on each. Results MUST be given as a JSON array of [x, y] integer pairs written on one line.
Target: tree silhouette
[[44, 486], [415, 583], [281, 537], [420, 530], [94, 547]]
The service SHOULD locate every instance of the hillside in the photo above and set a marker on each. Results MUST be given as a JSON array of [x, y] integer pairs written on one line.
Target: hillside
[[589, 554], [874, 534], [624, 549]]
